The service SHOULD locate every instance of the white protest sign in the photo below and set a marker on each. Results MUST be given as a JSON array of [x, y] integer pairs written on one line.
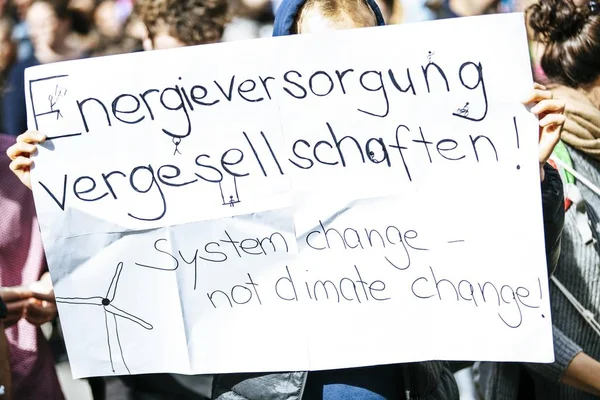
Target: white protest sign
[[310, 202]]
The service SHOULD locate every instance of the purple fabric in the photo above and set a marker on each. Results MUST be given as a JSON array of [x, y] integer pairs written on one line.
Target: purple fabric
[[22, 262]]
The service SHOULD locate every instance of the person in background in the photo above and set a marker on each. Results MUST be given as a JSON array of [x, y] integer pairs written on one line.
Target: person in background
[[392, 11], [26, 289], [7, 57], [7, 47], [111, 37], [49, 23], [177, 23], [249, 19], [416, 11], [4, 9], [81, 35], [107, 19], [570, 35], [461, 8], [20, 31], [85, 7], [470, 8]]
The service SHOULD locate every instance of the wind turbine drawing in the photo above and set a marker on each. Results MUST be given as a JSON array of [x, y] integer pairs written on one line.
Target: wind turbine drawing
[[110, 310]]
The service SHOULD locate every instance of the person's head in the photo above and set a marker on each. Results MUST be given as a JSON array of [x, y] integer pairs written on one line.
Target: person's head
[[49, 22], [21, 8], [177, 23], [570, 32], [324, 15], [461, 8], [107, 20], [315, 16], [85, 7]]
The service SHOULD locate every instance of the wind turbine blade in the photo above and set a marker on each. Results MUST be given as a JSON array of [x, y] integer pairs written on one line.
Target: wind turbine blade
[[112, 366], [120, 313], [86, 301], [112, 289], [119, 343]]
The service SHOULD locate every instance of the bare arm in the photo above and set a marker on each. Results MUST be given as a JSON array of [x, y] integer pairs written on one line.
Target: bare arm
[[583, 373]]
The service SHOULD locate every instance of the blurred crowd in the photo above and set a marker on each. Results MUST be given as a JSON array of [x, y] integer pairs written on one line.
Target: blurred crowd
[[565, 49]]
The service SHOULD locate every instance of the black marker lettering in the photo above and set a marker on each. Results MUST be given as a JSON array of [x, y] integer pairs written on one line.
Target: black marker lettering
[[92, 187], [381, 88], [285, 78], [242, 91], [135, 109]]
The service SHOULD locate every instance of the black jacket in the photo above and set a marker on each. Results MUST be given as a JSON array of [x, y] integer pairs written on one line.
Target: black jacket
[[554, 215]]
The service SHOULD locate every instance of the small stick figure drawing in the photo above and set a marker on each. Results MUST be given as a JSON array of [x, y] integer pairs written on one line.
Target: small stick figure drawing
[[234, 198], [176, 142], [54, 98], [372, 155], [464, 111], [430, 56]]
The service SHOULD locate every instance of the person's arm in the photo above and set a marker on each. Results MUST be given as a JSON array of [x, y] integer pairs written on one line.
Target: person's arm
[[571, 366], [550, 112], [583, 373]]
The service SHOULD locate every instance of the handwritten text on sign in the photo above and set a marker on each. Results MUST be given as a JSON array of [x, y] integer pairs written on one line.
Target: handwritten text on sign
[[309, 202]]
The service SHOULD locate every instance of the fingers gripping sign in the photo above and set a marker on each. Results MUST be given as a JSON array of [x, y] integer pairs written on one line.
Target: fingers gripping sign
[[550, 112], [20, 154]]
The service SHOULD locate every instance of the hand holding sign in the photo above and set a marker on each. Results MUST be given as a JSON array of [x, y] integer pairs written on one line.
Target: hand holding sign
[[550, 112], [41, 307], [16, 299], [20, 153]]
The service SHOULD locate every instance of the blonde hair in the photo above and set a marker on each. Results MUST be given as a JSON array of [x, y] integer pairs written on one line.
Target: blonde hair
[[357, 10]]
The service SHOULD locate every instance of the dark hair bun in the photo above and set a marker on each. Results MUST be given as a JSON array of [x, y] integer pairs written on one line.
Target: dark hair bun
[[571, 36], [556, 20]]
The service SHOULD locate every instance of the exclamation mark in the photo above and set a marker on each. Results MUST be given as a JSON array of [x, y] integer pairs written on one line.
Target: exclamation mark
[[517, 134], [541, 293]]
